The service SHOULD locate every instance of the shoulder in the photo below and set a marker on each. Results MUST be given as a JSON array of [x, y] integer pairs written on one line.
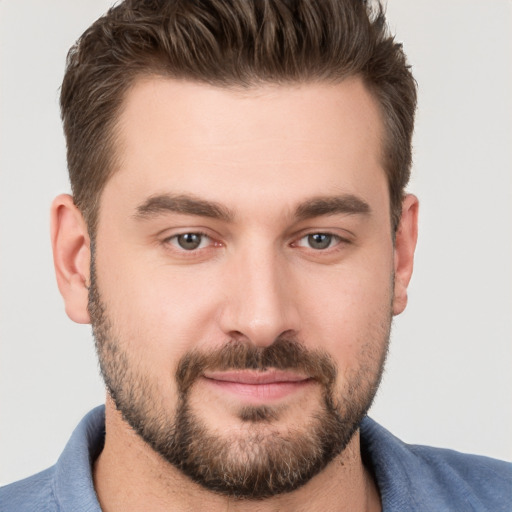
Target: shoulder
[[68, 485], [429, 478], [475, 479], [31, 494]]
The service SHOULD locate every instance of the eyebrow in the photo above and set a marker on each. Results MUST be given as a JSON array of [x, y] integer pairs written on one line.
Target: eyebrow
[[184, 204], [191, 205], [332, 205]]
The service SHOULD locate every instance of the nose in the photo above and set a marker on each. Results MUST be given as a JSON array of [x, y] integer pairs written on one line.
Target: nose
[[260, 300]]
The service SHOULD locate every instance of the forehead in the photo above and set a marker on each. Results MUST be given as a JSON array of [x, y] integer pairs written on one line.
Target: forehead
[[231, 144]]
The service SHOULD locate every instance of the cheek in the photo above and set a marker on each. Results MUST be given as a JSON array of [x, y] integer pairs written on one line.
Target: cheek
[[349, 315], [158, 311]]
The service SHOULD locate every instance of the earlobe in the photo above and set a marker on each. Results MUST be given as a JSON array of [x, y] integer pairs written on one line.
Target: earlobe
[[71, 256], [405, 245]]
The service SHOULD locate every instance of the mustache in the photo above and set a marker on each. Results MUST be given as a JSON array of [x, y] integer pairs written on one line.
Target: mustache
[[283, 354]]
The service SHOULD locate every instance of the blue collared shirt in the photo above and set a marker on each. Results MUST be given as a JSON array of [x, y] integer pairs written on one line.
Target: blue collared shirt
[[409, 478]]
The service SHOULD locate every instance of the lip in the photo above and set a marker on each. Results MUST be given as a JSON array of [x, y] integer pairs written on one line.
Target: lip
[[256, 386], [256, 377]]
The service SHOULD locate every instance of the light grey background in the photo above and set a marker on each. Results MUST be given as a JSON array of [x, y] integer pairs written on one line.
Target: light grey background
[[449, 378]]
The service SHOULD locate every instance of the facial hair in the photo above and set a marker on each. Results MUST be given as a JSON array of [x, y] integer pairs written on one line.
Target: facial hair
[[263, 460]]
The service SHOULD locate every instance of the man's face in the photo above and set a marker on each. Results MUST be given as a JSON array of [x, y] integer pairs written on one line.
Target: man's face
[[243, 276]]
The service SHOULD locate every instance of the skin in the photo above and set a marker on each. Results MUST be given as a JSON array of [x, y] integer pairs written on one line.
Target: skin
[[259, 153]]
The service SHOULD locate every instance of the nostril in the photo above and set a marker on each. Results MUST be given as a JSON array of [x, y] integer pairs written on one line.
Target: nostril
[[256, 339], [237, 336]]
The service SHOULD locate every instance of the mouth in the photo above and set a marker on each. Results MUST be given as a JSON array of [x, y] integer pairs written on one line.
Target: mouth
[[257, 387]]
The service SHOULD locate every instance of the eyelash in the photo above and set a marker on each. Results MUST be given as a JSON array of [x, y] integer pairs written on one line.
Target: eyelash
[[332, 238], [171, 239], [334, 242]]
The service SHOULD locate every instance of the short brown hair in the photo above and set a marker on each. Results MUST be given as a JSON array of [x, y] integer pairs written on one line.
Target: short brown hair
[[229, 43]]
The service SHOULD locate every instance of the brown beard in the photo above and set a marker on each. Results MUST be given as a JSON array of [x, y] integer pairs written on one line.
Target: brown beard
[[265, 461]]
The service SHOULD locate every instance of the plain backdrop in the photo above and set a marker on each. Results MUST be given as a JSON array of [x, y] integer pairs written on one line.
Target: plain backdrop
[[448, 380]]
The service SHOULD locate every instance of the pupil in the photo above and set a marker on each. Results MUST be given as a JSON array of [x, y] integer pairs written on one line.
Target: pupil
[[319, 241], [189, 241]]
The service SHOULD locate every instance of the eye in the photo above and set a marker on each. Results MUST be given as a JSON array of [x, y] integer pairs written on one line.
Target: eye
[[319, 241], [190, 241]]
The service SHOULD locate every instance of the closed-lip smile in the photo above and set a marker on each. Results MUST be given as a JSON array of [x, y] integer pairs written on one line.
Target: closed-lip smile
[[257, 386]]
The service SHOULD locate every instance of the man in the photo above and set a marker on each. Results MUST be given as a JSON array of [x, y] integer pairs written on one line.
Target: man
[[239, 238]]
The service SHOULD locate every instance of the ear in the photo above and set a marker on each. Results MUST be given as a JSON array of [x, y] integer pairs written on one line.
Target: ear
[[71, 256], [405, 244]]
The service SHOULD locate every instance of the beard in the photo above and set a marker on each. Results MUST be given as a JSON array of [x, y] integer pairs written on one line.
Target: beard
[[262, 459]]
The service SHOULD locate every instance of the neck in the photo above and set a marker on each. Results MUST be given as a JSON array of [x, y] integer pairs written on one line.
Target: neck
[[130, 476]]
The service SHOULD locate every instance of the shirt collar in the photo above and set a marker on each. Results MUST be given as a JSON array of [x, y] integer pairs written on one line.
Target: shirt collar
[[73, 482]]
